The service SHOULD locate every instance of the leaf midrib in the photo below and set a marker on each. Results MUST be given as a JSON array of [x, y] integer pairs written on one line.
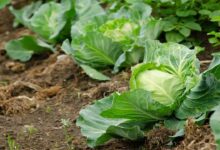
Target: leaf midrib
[[98, 51]]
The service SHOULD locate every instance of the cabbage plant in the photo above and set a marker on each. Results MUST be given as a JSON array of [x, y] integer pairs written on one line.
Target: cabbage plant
[[166, 85], [51, 21], [103, 40]]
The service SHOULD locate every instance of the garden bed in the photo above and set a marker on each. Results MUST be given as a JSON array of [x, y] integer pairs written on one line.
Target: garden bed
[[51, 87], [38, 98]]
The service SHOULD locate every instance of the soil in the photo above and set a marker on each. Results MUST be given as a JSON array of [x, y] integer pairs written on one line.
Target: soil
[[35, 97]]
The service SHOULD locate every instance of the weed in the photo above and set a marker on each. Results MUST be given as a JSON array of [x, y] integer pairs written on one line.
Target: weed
[[12, 144], [66, 124]]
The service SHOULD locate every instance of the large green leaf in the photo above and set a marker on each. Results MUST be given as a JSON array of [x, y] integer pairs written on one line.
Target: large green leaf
[[205, 95], [139, 11], [137, 105], [130, 57], [86, 11], [174, 124], [24, 15], [51, 18], [215, 123], [23, 48], [94, 74], [66, 18], [214, 67], [151, 29], [66, 47], [96, 50], [52, 21], [45, 21], [99, 130], [91, 72]]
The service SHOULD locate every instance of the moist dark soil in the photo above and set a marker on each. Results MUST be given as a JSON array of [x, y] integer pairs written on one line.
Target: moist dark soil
[[35, 97]]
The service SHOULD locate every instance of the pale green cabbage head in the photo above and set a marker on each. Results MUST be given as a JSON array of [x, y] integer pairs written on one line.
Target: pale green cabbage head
[[119, 29], [169, 72], [165, 87]]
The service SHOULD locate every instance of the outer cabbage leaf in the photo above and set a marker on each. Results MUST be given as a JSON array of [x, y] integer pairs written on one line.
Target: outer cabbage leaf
[[140, 11], [174, 124], [95, 50], [23, 48], [53, 19], [45, 20], [137, 11], [86, 11], [24, 15], [205, 95], [137, 105], [66, 47], [94, 74], [214, 123], [214, 67], [99, 130], [130, 57], [151, 29], [91, 72], [166, 88], [66, 18]]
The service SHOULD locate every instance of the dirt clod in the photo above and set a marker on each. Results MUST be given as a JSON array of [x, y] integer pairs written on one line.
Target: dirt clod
[[158, 138], [14, 66]]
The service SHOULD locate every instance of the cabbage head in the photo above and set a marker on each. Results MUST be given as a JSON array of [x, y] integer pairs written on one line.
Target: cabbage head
[[169, 72], [120, 30], [165, 87]]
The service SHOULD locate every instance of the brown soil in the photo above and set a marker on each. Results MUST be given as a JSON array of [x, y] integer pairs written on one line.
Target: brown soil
[[35, 97], [42, 92], [197, 138]]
